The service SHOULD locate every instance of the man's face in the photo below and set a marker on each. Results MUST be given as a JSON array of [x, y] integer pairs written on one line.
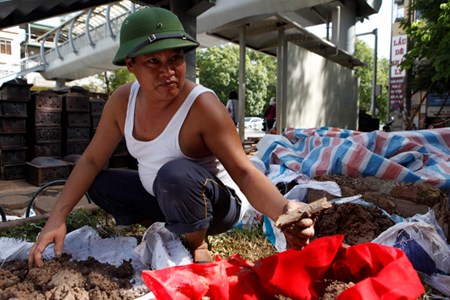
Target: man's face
[[163, 72]]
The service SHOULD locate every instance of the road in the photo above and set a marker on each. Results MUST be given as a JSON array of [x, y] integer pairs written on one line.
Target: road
[[253, 133]]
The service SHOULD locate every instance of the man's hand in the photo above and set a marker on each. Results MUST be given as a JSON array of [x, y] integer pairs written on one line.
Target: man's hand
[[298, 235], [297, 223], [52, 233]]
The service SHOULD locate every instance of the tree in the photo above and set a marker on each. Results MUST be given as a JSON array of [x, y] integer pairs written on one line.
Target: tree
[[364, 53], [428, 58], [218, 69], [428, 55], [114, 79]]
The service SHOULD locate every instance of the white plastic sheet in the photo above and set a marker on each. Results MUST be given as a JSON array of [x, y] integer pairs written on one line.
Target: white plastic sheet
[[160, 248]]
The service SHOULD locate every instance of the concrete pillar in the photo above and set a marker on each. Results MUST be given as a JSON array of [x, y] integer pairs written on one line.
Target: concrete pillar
[[281, 82], [242, 88], [344, 29], [60, 83], [190, 26]]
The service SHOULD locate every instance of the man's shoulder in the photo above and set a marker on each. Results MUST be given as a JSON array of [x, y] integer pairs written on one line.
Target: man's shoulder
[[124, 89], [120, 96]]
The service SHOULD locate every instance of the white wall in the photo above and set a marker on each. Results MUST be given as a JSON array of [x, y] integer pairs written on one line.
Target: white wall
[[319, 92], [10, 63]]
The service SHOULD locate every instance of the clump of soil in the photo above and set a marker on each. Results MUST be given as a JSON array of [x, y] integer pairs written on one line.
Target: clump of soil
[[331, 289], [358, 223], [334, 288], [395, 197], [63, 279]]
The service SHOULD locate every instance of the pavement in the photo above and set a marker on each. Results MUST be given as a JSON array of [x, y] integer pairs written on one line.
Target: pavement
[[16, 195]]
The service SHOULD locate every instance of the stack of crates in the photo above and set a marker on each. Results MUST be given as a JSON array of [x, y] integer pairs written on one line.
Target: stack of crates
[[76, 122], [14, 96], [96, 109], [120, 157], [45, 125]]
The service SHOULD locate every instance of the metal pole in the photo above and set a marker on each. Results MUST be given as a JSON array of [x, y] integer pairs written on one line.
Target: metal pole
[[284, 85], [189, 22], [374, 77], [280, 79], [374, 70], [242, 48]]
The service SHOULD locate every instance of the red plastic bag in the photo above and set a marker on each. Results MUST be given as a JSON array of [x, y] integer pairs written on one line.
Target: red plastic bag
[[378, 271]]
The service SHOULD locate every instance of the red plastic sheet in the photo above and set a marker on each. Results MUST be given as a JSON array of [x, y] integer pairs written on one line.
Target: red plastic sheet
[[378, 271]]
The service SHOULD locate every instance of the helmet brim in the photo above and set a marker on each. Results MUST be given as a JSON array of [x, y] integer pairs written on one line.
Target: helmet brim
[[164, 44]]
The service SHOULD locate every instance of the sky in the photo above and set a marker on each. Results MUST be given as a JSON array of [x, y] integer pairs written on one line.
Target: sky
[[383, 22]]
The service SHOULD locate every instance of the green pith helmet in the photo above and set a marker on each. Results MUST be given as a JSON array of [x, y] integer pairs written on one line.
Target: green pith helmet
[[150, 30]]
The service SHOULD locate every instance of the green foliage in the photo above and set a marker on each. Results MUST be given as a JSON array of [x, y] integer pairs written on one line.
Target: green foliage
[[365, 54], [428, 55], [79, 218], [120, 77], [250, 244], [27, 231], [114, 79], [218, 69]]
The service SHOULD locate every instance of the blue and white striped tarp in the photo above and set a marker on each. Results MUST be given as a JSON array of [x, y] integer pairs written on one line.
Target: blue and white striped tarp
[[420, 156]]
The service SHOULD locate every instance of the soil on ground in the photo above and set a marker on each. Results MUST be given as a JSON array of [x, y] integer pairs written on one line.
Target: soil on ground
[[358, 223], [63, 279], [334, 288], [394, 197]]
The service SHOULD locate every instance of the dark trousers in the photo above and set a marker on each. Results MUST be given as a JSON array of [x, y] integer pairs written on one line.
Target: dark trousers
[[187, 198], [269, 124]]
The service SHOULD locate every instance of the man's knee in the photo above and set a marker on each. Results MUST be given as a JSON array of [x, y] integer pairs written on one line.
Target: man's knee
[[176, 171]]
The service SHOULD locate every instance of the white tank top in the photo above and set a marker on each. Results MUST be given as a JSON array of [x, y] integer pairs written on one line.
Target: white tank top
[[152, 155]]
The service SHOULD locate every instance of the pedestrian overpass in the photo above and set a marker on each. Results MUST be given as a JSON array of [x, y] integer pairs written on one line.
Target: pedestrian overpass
[[85, 44], [80, 47]]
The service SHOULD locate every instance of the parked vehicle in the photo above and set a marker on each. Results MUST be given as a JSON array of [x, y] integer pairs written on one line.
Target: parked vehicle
[[254, 123]]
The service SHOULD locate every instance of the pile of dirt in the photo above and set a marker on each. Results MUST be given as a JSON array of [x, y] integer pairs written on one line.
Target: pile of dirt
[[330, 290], [64, 279], [334, 288], [394, 197], [358, 223]]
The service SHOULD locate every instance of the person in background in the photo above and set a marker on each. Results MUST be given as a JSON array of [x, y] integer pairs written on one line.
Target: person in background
[[193, 173], [270, 114], [233, 106], [273, 130]]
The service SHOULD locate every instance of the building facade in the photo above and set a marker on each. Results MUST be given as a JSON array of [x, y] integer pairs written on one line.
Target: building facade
[[10, 39]]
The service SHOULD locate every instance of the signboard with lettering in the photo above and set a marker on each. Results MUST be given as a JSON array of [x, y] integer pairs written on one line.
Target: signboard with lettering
[[437, 100], [397, 76], [398, 48], [432, 111], [397, 93]]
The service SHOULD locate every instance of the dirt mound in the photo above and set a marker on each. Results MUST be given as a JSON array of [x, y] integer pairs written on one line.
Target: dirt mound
[[64, 279], [358, 223], [394, 197]]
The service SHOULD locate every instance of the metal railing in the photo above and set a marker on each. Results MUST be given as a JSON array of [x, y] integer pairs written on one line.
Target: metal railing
[[83, 30]]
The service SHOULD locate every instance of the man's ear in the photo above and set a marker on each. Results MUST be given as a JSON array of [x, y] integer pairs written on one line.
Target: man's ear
[[129, 62]]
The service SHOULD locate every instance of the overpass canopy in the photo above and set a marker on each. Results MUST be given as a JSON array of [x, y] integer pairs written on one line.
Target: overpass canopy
[[263, 20], [16, 12]]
